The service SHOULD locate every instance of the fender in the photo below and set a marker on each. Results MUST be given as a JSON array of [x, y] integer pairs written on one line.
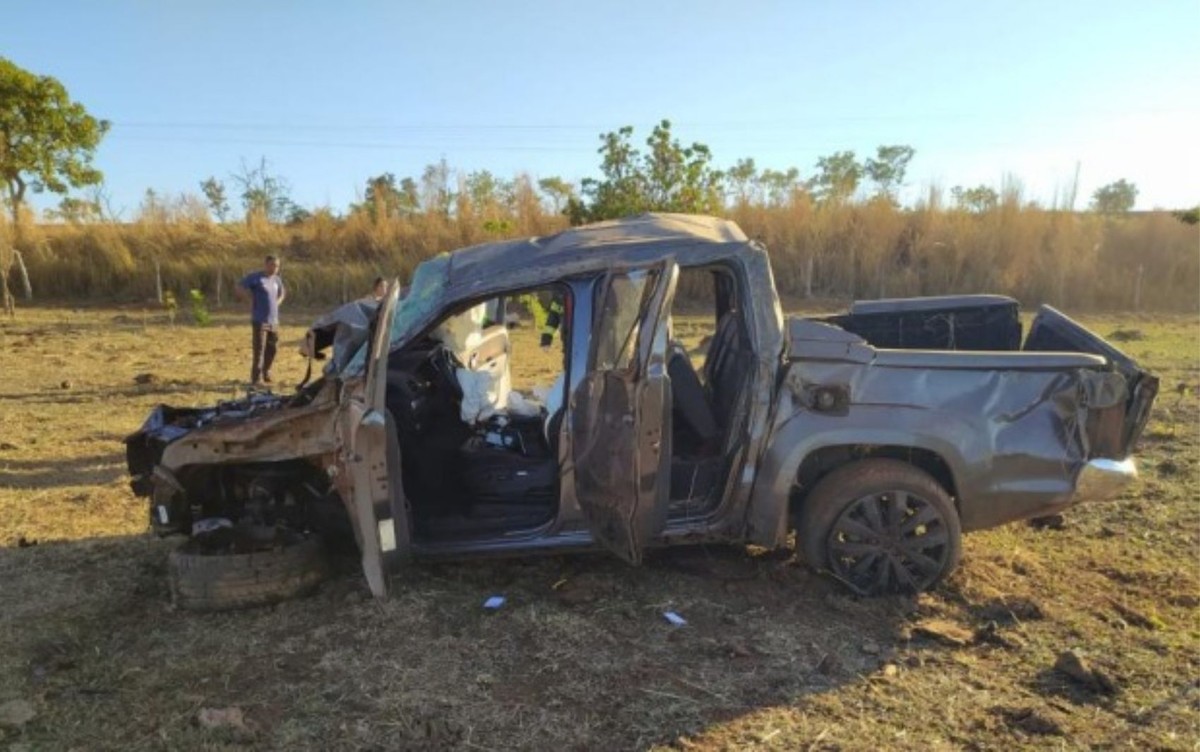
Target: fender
[[947, 435]]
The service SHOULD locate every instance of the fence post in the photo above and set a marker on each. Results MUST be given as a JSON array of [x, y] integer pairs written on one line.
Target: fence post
[[219, 276], [1137, 289], [24, 274], [158, 281], [9, 305]]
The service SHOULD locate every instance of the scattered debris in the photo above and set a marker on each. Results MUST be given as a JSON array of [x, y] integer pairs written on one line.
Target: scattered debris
[[1010, 610], [945, 631], [674, 618], [1049, 522], [494, 602], [1137, 618], [64, 384], [871, 648], [1126, 335], [1071, 664], [8, 446], [16, 713], [147, 378], [23, 542], [223, 718], [1029, 721], [890, 669], [991, 633]]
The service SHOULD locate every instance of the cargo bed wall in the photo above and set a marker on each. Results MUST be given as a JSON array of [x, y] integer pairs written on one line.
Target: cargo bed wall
[[1114, 434], [960, 322]]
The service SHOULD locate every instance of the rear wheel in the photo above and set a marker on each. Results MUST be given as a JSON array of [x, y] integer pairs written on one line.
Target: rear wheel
[[880, 526]]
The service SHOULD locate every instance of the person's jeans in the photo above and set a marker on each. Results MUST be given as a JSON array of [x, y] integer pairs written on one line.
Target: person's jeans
[[263, 341]]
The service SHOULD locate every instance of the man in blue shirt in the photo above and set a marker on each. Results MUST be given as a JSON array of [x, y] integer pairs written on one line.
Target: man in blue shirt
[[266, 292]]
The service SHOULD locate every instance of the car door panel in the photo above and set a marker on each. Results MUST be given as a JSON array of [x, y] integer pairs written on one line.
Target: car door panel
[[621, 411], [379, 506]]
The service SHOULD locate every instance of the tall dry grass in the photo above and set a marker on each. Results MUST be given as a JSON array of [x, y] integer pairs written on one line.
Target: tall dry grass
[[1080, 261]]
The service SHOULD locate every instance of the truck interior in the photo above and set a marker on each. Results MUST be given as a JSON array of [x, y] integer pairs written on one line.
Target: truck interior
[[479, 458], [479, 435], [707, 384]]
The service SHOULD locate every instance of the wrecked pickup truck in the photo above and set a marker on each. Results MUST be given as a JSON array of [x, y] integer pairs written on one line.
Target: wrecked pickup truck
[[879, 435]]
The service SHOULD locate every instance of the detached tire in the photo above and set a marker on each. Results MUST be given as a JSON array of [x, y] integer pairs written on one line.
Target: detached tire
[[880, 527], [207, 581]]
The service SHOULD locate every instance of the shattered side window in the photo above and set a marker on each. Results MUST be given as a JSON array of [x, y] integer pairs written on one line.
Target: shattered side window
[[616, 332], [423, 298]]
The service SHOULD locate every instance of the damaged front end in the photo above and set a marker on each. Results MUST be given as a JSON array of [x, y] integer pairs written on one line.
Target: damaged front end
[[264, 459], [269, 467]]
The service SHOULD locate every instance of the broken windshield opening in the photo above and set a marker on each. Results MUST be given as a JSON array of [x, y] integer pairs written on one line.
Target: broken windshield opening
[[421, 300]]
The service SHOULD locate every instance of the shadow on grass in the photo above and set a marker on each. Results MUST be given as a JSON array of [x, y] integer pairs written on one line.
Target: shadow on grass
[[72, 395], [94, 470]]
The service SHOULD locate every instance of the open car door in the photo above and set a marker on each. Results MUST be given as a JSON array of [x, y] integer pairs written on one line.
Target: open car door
[[621, 424], [380, 509]]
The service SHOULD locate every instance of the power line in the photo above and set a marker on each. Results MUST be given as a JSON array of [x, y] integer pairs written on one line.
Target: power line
[[815, 121]]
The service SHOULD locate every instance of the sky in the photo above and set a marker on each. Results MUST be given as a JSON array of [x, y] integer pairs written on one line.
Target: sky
[[331, 94]]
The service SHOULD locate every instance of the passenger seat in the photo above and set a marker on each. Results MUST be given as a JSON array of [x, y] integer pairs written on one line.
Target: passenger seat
[[696, 430]]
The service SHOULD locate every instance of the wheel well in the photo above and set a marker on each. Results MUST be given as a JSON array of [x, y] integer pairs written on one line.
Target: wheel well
[[818, 464]]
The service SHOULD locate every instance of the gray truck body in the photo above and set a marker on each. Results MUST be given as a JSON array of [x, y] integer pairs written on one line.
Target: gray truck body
[[1009, 433]]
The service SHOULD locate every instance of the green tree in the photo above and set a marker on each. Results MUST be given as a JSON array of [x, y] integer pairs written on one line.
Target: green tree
[[779, 185], [979, 199], [838, 176], [487, 192], [1114, 198], [47, 141], [558, 191], [622, 191], [76, 211], [1188, 216], [670, 177], [385, 199], [741, 180], [214, 195], [886, 170], [679, 178]]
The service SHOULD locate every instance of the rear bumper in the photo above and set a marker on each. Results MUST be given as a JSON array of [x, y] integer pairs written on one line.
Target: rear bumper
[[1103, 479]]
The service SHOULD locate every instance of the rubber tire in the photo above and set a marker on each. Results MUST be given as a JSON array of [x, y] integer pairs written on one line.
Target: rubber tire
[[221, 582], [848, 483]]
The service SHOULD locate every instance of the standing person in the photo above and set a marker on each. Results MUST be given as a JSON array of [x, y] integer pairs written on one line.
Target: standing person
[[379, 289], [265, 292]]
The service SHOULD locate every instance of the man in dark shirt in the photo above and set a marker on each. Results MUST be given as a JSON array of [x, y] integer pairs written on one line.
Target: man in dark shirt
[[266, 292]]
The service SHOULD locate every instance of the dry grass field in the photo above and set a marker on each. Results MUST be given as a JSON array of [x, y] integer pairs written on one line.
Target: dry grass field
[[580, 657]]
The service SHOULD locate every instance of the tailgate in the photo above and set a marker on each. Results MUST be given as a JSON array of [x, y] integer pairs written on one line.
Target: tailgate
[[1115, 432]]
